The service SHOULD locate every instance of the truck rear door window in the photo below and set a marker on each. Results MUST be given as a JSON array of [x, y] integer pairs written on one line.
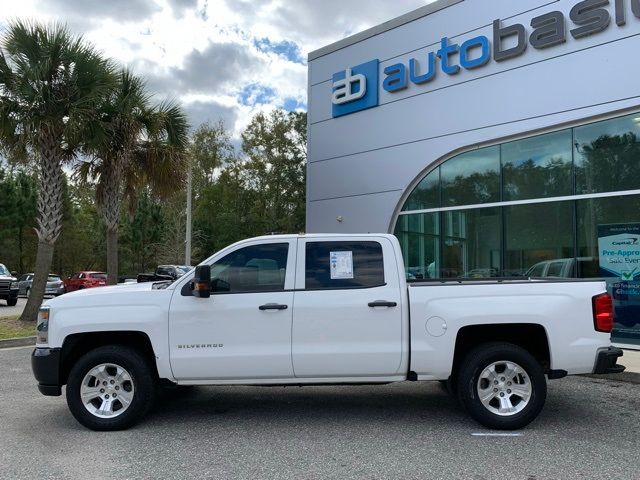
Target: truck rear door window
[[336, 265]]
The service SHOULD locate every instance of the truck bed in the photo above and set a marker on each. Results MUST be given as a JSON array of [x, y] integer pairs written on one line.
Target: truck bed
[[562, 307]]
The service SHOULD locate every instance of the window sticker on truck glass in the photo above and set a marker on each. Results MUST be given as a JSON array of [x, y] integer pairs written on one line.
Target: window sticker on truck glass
[[341, 265]]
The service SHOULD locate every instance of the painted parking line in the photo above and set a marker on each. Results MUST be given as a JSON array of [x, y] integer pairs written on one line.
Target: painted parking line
[[491, 434]]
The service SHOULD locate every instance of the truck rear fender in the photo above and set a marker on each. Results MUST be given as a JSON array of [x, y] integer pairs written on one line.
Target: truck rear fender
[[531, 337]]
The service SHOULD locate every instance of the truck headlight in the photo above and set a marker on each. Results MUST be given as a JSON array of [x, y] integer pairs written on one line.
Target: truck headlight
[[42, 326], [14, 286]]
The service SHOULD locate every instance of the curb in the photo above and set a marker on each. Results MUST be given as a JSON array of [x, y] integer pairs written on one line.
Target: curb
[[17, 342], [626, 377]]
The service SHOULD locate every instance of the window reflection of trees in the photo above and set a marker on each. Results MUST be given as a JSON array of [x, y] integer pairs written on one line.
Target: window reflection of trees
[[477, 187], [605, 158], [608, 163], [533, 180]]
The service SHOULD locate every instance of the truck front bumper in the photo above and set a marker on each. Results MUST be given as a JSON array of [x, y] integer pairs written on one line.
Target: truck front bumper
[[45, 363], [606, 361], [10, 294]]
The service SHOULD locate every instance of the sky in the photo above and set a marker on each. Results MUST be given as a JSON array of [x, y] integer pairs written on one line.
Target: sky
[[222, 59]]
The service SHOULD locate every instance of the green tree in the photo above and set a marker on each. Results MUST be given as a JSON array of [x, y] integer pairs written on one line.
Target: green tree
[[276, 148], [50, 85], [262, 191], [143, 235], [210, 149], [82, 236], [18, 192], [141, 145], [223, 212]]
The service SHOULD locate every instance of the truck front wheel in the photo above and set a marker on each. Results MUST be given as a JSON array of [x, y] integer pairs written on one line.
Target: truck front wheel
[[110, 388], [502, 386]]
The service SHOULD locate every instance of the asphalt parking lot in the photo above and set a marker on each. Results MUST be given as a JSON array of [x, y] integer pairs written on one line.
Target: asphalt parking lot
[[7, 311], [590, 428]]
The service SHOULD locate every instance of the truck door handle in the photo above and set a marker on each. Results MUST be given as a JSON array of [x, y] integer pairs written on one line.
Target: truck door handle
[[273, 306], [382, 303]]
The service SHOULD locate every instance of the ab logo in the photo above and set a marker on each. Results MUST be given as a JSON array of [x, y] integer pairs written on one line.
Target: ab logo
[[355, 89]]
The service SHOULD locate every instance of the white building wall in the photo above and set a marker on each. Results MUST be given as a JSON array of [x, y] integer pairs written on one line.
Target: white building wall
[[362, 165]]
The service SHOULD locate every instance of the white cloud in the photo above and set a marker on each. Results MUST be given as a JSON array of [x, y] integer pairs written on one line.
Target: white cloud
[[224, 59]]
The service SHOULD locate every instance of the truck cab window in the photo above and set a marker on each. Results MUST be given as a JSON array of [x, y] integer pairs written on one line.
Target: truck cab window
[[258, 268], [365, 262]]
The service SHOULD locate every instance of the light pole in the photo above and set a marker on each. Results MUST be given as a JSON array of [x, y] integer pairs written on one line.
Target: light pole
[[187, 249]]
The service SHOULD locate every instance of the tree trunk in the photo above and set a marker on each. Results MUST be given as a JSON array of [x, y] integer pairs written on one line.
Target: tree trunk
[[49, 219], [109, 199], [112, 255], [43, 263]]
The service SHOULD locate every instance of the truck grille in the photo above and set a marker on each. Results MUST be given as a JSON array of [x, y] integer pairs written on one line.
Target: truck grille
[[4, 286]]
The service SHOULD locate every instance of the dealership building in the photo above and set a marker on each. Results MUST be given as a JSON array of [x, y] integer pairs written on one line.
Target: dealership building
[[493, 138]]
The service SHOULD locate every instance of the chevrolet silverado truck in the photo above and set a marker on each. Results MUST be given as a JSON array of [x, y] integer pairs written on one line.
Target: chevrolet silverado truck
[[321, 309]]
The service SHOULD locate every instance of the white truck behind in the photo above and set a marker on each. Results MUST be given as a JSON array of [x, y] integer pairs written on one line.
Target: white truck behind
[[321, 309]]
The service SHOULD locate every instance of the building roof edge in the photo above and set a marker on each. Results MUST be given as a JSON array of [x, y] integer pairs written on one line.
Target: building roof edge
[[383, 27]]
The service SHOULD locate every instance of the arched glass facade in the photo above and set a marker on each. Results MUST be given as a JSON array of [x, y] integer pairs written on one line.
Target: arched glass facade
[[561, 204]]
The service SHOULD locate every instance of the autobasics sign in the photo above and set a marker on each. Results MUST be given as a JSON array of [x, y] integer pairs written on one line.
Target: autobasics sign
[[356, 88]]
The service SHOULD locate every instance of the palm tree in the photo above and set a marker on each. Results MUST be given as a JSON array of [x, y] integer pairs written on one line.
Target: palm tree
[[124, 118], [50, 85], [142, 146]]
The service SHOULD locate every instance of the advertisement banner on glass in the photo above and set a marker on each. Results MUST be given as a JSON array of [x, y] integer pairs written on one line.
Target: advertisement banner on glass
[[619, 248]]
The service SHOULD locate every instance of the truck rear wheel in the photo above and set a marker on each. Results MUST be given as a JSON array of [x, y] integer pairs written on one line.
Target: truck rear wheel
[[110, 388], [502, 386]]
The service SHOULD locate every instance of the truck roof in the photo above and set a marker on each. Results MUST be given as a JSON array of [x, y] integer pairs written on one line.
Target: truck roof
[[319, 235]]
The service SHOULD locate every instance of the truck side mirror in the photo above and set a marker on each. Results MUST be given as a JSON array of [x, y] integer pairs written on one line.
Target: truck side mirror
[[202, 281]]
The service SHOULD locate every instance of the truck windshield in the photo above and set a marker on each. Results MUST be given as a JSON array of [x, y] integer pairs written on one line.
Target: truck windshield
[[4, 270]]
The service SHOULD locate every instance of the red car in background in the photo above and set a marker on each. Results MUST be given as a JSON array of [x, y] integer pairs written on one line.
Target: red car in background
[[81, 280]]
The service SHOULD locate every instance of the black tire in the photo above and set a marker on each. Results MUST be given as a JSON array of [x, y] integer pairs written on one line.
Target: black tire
[[27, 292], [12, 302], [449, 386], [469, 375], [143, 378]]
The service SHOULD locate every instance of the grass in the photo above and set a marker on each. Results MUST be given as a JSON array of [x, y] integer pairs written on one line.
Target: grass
[[11, 327]]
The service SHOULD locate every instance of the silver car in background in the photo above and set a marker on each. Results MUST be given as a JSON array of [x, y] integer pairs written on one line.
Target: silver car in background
[[55, 285]]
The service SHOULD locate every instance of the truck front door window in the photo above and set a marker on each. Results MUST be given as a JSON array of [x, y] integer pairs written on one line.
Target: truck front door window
[[258, 268]]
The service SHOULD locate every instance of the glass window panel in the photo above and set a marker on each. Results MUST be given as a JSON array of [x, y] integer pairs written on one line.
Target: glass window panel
[[419, 239], [537, 270], [471, 178], [559, 269], [426, 195], [617, 217], [472, 240], [251, 269], [368, 267], [537, 235], [608, 155], [538, 167]]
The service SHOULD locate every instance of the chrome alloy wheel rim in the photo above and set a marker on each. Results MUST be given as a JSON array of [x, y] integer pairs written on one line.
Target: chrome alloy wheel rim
[[504, 388], [107, 390]]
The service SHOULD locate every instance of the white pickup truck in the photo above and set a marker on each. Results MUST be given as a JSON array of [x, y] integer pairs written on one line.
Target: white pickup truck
[[320, 309]]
